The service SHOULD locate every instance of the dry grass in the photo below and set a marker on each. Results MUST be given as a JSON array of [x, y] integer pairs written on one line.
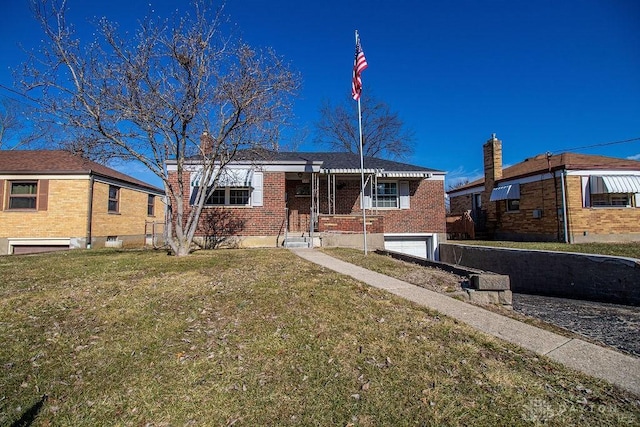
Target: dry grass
[[258, 337]]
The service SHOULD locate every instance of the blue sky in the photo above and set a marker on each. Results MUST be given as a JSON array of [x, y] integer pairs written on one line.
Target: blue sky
[[543, 75]]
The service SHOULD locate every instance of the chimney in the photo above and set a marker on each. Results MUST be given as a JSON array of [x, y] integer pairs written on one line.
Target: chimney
[[206, 144], [492, 150]]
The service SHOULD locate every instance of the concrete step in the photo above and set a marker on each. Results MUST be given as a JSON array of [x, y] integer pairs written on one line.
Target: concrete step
[[297, 245], [297, 242]]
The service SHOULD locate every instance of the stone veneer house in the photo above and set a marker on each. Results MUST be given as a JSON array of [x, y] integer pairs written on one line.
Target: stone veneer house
[[52, 200], [599, 197], [314, 199]]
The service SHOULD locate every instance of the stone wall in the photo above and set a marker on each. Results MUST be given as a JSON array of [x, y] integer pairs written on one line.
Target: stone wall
[[563, 274]]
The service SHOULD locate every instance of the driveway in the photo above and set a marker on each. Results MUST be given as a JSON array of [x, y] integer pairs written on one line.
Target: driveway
[[615, 325]]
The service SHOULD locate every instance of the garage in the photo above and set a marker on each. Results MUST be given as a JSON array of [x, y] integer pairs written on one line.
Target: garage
[[36, 249], [35, 246], [410, 244]]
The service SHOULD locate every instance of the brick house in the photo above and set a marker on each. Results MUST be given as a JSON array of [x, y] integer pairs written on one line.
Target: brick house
[[599, 196], [51, 200], [314, 199]]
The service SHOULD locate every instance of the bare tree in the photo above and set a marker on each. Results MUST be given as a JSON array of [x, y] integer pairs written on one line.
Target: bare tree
[[17, 130], [384, 133], [149, 96], [458, 184]]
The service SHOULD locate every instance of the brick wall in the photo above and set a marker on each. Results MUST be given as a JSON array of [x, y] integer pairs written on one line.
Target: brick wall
[[129, 221], [427, 212], [67, 211], [546, 196], [350, 223], [585, 224], [65, 216], [266, 220], [599, 224]]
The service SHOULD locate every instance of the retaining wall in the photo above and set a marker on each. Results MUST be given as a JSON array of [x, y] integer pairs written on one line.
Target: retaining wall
[[563, 274]]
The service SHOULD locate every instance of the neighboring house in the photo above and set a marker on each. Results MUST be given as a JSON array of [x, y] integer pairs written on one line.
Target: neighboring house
[[52, 200], [529, 201], [315, 198]]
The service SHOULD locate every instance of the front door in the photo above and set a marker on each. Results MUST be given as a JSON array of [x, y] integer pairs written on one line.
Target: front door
[[298, 205]]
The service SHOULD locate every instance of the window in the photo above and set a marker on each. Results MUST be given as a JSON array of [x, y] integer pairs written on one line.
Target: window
[[513, 205], [387, 196], [239, 196], [151, 203], [477, 202], [610, 200], [114, 199], [217, 198], [23, 195], [229, 196], [303, 190]]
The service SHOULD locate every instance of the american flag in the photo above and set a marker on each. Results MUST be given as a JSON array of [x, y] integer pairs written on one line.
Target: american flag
[[359, 65]]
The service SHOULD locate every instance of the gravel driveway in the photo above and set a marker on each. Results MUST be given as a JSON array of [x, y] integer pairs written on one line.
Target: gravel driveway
[[615, 325]]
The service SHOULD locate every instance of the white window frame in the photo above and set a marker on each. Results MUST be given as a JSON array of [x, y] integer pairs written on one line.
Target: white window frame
[[402, 197], [611, 200], [387, 197], [228, 198]]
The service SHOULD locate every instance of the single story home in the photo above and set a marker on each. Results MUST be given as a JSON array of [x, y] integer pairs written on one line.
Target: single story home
[[567, 197], [53, 200], [313, 199]]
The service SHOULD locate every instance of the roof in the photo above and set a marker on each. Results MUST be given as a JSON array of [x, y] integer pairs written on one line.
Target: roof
[[336, 160], [61, 163], [564, 161], [333, 161]]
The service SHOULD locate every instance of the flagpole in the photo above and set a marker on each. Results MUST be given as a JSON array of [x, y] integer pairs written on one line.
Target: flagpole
[[364, 206]]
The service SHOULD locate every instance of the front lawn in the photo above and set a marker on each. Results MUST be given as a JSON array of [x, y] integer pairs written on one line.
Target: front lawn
[[258, 337]]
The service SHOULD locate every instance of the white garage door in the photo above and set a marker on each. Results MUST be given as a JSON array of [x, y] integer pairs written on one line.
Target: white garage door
[[415, 246]]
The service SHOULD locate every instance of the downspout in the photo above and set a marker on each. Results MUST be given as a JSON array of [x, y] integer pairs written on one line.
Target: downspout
[[89, 211], [564, 206]]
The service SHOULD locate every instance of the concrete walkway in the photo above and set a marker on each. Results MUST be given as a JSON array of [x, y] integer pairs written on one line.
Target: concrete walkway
[[599, 362]]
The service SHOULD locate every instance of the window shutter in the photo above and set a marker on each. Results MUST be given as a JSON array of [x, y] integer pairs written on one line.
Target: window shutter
[[586, 192], [257, 192], [194, 194], [43, 194], [1, 194], [403, 189]]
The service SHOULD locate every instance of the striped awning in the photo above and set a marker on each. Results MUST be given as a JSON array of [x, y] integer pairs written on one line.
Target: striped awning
[[229, 177], [505, 192], [624, 184]]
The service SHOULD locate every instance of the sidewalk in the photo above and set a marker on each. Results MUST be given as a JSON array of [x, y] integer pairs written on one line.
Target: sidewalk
[[599, 362]]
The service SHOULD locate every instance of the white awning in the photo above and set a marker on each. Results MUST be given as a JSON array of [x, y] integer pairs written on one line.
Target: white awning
[[229, 177], [615, 184], [505, 192]]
